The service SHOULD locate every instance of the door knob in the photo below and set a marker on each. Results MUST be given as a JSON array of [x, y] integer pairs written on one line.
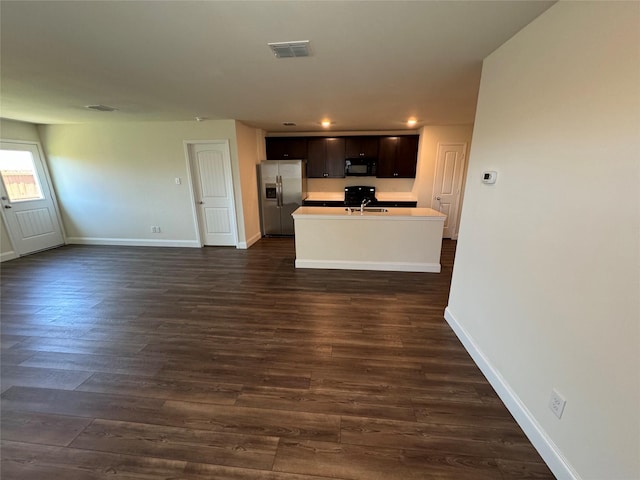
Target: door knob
[[201, 202], [7, 206], [437, 198]]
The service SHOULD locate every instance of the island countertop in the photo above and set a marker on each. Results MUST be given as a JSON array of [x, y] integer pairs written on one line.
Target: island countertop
[[338, 213]]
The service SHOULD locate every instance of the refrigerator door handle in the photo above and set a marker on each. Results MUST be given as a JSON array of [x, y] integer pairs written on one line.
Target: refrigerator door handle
[[279, 190]]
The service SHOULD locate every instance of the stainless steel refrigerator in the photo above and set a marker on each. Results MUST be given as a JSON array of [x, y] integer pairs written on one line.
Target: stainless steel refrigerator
[[283, 187]]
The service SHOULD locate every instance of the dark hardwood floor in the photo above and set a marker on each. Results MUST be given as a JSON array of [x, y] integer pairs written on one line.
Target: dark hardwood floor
[[217, 363]]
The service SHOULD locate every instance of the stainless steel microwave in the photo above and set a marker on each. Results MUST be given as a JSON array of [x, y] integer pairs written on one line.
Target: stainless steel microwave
[[360, 167]]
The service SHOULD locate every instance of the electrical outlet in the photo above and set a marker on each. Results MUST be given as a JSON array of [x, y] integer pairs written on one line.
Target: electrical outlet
[[557, 403], [158, 230], [155, 229]]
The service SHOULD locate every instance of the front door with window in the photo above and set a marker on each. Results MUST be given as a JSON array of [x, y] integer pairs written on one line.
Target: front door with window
[[27, 203]]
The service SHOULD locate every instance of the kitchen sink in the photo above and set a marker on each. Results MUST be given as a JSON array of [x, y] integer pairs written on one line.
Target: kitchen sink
[[376, 209], [367, 209]]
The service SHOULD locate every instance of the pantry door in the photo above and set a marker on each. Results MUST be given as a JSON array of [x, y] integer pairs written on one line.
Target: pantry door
[[447, 185], [28, 207]]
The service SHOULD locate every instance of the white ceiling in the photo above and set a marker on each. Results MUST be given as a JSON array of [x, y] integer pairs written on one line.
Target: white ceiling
[[373, 64]]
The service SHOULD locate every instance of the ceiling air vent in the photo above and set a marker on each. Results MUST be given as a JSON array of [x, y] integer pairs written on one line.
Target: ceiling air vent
[[101, 108], [290, 49]]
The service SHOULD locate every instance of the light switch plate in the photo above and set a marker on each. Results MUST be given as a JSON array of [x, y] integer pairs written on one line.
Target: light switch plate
[[489, 176]]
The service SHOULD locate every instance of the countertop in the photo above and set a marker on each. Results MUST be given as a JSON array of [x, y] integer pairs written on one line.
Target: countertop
[[391, 213]]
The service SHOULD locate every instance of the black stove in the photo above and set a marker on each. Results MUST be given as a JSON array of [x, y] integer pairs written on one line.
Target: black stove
[[355, 195]]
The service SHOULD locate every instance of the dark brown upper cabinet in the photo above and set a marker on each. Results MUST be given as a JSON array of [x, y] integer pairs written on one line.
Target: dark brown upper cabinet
[[398, 156], [286, 148], [361, 147], [325, 157]]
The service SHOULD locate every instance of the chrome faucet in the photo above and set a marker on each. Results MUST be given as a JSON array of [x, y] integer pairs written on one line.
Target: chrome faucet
[[365, 202]]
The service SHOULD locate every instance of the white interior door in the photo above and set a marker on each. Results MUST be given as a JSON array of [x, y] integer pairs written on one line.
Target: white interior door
[[28, 207], [447, 186], [213, 188]]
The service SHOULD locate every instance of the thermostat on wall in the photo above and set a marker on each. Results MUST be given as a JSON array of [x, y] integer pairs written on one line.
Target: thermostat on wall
[[489, 177]]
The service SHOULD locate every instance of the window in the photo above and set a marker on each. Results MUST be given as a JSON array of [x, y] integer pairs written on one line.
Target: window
[[18, 172]]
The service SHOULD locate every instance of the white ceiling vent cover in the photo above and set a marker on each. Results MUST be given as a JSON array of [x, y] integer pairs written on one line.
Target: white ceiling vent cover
[[290, 49]]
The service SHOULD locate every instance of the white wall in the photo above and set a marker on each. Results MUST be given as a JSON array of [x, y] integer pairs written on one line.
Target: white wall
[[115, 180], [248, 159], [546, 281], [26, 132], [13, 130]]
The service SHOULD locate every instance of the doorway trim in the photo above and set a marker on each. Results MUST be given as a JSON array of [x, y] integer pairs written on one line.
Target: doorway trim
[[54, 198], [192, 191]]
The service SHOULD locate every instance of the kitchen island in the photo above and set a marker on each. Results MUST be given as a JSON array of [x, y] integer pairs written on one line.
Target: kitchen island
[[397, 239]]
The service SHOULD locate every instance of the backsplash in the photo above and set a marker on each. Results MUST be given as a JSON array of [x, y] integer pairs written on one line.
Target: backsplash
[[404, 185]]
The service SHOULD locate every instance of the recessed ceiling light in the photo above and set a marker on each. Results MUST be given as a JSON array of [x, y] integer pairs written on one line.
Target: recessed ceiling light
[[101, 108], [289, 124], [412, 122], [326, 123], [200, 119], [290, 49]]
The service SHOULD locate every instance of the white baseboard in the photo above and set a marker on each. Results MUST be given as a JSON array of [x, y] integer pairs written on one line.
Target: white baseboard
[[353, 265], [547, 449], [250, 241], [6, 256], [133, 242]]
